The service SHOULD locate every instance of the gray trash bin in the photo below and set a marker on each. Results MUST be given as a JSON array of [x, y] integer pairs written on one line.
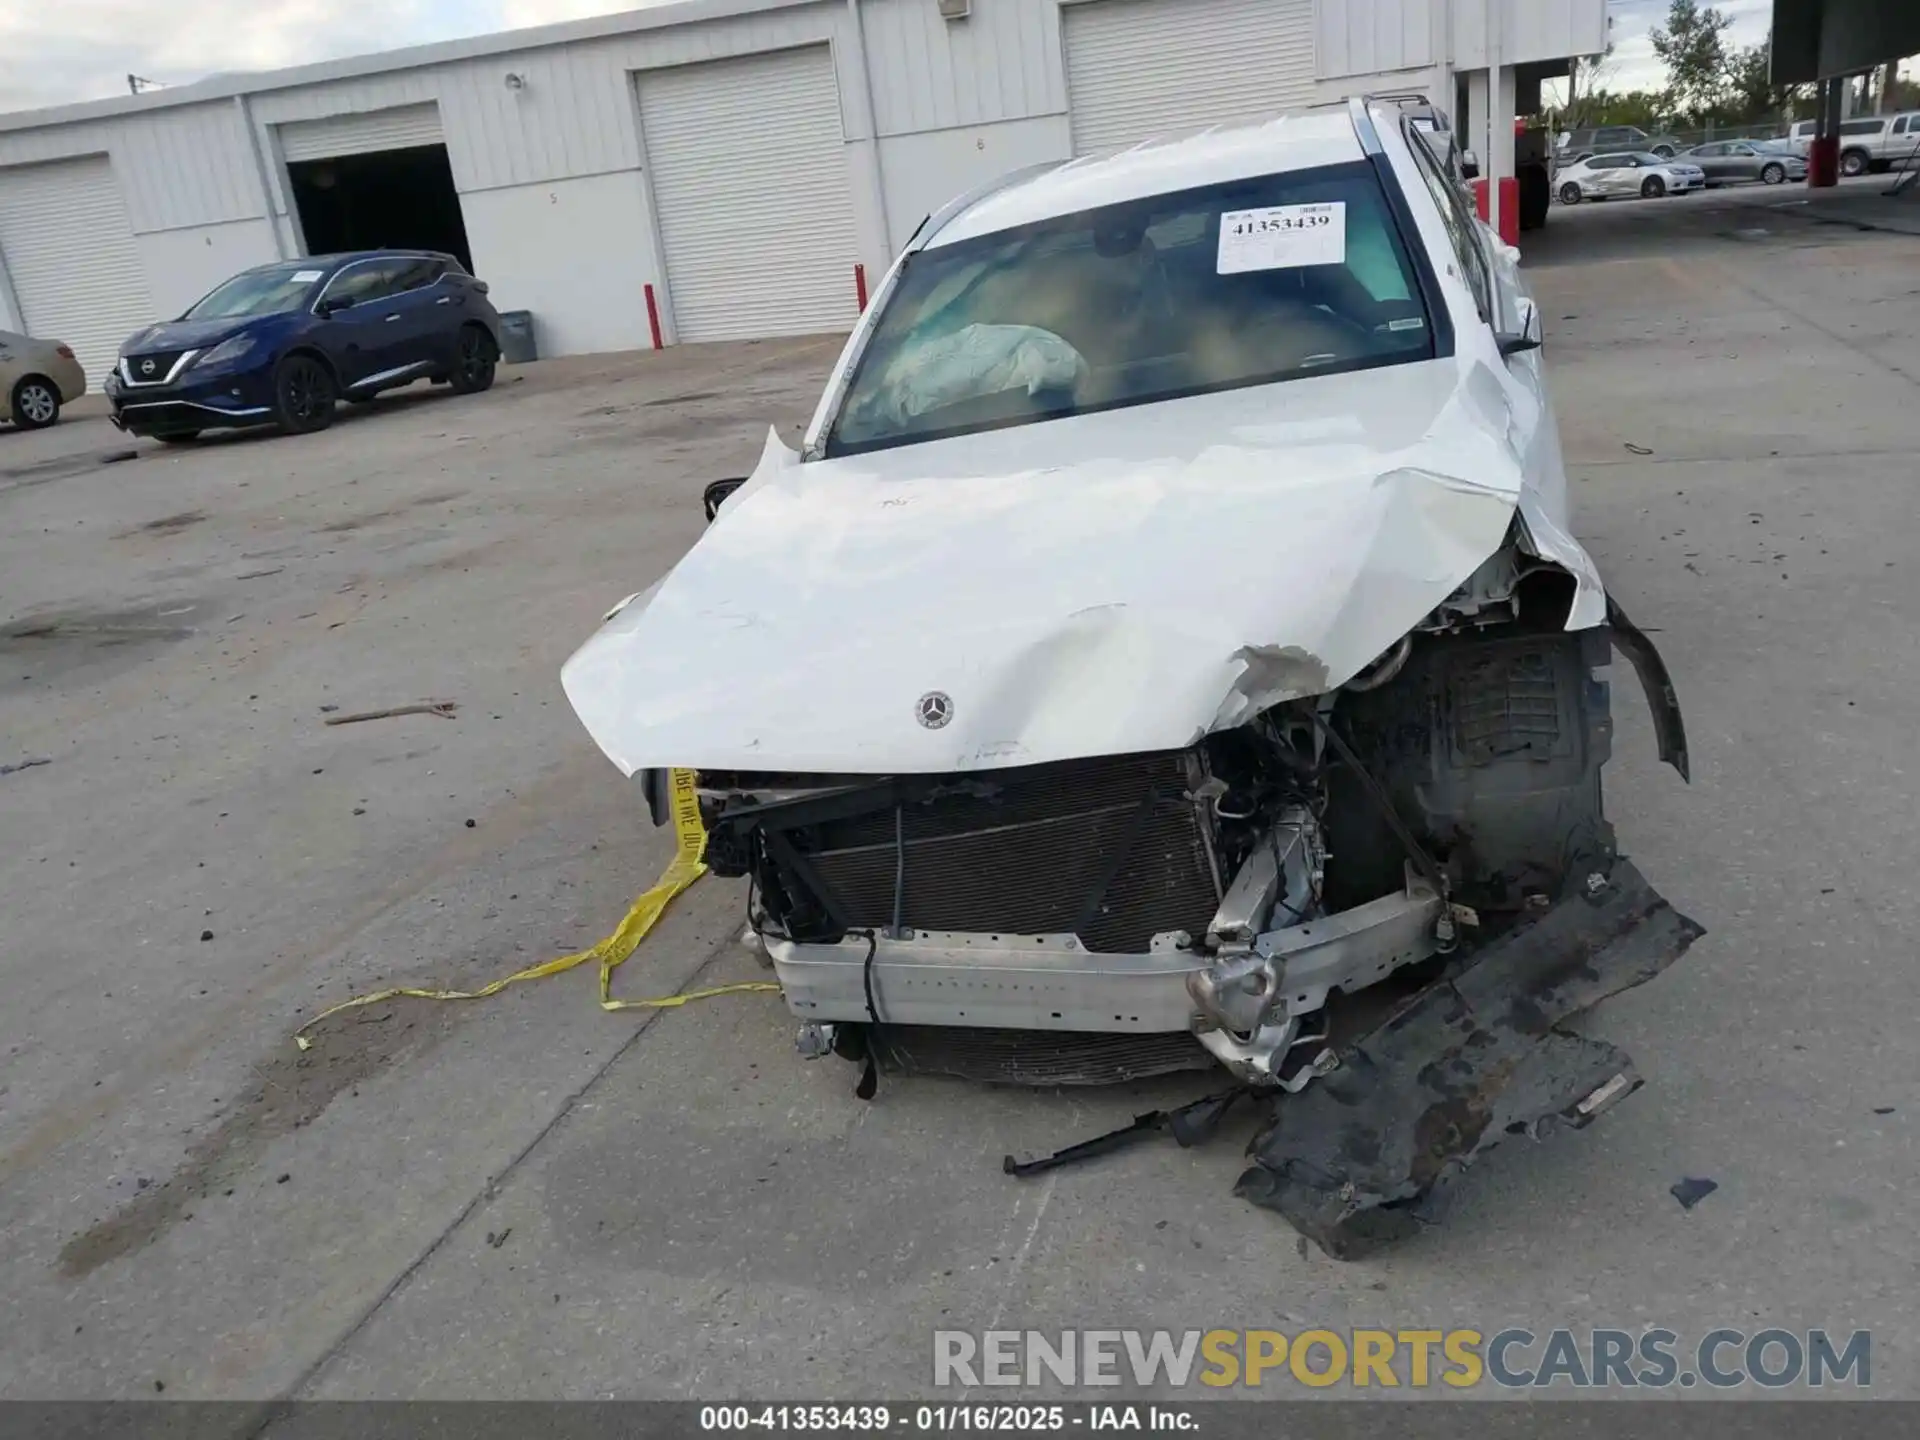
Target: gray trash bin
[[516, 337]]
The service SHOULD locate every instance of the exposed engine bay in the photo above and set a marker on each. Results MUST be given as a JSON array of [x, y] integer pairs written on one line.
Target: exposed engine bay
[[1231, 903]]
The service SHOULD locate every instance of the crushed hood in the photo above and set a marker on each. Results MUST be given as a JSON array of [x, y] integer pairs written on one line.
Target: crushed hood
[[1109, 583]]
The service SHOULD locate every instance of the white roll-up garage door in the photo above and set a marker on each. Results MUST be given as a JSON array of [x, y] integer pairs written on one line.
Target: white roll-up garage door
[[400, 128], [750, 188], [70, 253], [1138, 69]]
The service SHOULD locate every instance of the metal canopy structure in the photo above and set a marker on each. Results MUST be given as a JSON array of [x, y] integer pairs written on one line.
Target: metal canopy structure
[[1820, 39]]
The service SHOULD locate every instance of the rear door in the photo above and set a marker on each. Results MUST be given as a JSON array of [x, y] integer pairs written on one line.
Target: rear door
[[1905, 141], [1711, 158]]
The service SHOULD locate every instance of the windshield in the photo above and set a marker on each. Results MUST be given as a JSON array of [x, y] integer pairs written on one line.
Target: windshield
[[270, 290], [1260, 280]]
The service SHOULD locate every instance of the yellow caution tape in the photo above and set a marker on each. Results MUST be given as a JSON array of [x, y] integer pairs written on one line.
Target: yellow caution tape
[[687, 866]]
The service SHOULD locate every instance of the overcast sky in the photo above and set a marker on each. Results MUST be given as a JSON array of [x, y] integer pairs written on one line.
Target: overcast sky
[[1634, 67], [51, 53]]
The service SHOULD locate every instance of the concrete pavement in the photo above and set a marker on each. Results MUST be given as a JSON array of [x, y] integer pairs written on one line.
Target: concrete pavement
[[528, 1198]]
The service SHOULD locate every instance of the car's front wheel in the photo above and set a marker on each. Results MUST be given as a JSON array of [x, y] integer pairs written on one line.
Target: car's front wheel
[[473, 368], [1652, 188], [303, 395], [1570, 194], [36, 403], [1854, 162], [1773, 174]]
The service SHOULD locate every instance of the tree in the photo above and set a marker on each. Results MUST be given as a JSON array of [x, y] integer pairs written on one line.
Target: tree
[[1645, 108], [1587, 77], [1750, 91], [1694, 50]]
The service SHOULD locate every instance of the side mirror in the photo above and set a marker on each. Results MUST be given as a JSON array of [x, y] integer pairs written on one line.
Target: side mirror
[[1469, 164], [336, 302], [715, 495], [1528, 337]]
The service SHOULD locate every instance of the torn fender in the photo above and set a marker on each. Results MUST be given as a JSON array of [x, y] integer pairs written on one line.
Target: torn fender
[[1362, 1156]]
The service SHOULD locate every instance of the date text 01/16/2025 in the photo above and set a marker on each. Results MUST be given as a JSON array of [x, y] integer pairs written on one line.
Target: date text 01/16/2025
[[947, 1419]]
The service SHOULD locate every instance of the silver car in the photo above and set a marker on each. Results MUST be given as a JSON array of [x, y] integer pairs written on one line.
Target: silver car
[[1727, 162], [1606, 177]]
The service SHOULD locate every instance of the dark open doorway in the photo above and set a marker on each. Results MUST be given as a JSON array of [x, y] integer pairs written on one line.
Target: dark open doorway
[[385, 199]]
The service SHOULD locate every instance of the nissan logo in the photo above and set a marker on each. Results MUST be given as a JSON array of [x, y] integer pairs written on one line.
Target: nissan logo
[[146, 367], [933, 709]]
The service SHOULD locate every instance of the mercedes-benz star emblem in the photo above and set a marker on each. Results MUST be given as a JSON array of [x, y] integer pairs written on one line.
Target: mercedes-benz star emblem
[[146, 367], [934, 709]]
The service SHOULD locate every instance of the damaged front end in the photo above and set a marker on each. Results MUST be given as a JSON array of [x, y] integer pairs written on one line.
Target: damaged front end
[[1398, 889], [1081, 815]]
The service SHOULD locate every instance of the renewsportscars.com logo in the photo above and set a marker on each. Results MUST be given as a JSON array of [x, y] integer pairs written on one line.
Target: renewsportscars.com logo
[[1513, 1358]]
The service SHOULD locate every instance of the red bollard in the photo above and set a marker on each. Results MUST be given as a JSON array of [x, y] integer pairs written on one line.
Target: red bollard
[[1509, 206], [1823, 161]]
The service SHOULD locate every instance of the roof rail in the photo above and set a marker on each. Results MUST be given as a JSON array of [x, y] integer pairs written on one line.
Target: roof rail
[[1363, 129], [1418, 97]]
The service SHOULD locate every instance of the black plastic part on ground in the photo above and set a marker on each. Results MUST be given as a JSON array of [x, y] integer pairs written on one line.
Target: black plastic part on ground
[[1363, 1156]]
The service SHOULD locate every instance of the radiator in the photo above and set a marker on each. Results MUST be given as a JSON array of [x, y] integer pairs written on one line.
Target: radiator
[[1110, 849]]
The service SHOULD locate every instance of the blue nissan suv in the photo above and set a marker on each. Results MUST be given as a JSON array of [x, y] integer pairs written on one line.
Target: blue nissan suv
[[280, 344]]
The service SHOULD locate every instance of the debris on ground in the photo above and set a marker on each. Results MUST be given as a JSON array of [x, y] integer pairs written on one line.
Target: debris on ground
[[114, 457], [1690, 1192], [442, 708], [1189, 1125], [1639, 449], [24, 765]]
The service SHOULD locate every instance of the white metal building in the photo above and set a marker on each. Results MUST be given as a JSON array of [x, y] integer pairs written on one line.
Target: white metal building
[[738, 158]]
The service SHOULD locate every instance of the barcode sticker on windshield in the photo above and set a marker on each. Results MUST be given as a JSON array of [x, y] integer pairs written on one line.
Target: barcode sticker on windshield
[[1282, 237], [306, 277]]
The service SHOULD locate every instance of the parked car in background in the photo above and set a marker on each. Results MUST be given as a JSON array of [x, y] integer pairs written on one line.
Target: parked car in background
[[1870, 142], [1727, 162], [280, 344], [1609, 177], [1879, 142], [37, 377], [1580, 144]]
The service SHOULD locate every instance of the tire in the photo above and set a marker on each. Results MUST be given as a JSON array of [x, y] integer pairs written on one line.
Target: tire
[[473, 368], [36, 403], [1652, 188], [1665, 152], [1773, 173], [178, 437], [1854, 162], [1570, 194], [303, 395]]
